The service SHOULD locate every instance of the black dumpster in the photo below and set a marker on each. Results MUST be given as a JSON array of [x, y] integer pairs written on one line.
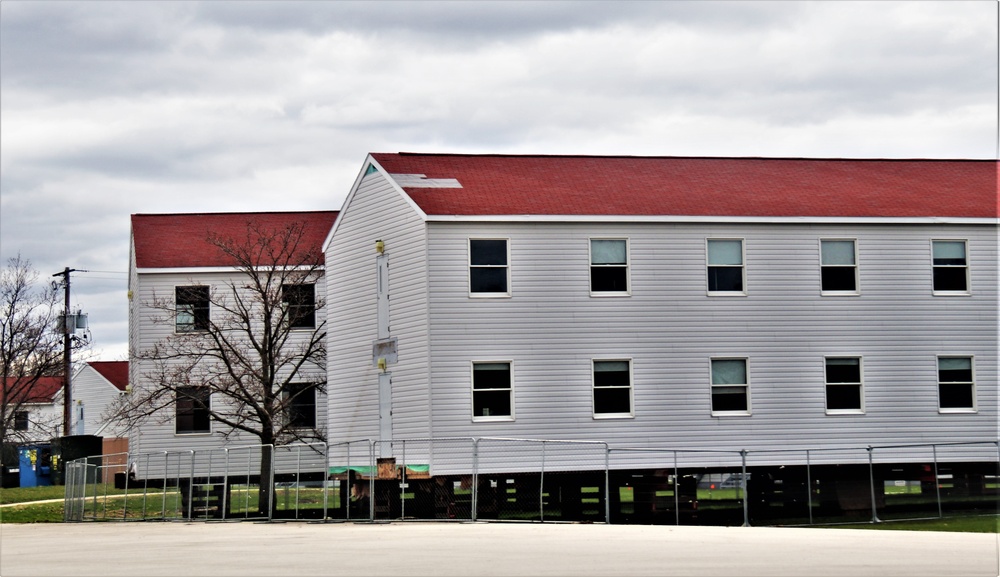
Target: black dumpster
[[73, 447]]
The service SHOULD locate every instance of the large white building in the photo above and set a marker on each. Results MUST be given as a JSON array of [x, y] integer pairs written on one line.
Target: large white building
[[797, 310], [687, 304]]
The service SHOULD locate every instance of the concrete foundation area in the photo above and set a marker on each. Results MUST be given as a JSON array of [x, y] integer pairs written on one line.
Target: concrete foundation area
[[470, 549]]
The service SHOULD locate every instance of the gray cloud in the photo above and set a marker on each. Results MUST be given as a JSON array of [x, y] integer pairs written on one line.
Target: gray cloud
[[112, 108]]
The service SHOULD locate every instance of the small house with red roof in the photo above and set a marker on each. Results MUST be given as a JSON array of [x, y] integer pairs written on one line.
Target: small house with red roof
[[37, 406], [772, 305], [97, 385], [176, 261]]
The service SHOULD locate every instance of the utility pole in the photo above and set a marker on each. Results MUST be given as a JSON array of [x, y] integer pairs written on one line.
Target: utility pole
[[67, 333]]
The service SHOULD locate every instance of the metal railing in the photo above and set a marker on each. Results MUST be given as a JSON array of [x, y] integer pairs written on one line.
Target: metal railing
[[536, 480]]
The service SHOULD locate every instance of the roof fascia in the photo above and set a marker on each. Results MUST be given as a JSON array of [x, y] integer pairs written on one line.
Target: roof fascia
[[369, 160], [713, 219]]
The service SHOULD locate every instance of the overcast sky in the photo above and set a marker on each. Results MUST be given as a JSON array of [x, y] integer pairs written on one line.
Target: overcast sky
[[114, 108]]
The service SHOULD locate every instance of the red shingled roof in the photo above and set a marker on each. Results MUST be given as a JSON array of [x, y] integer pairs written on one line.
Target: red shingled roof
[[116, 372], [181, 240], [674, 186], [41, 391]]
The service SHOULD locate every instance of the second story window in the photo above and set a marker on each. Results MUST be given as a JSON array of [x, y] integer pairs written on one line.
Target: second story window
[[951, 267], [488, 267], [300, 305], [725, 266], [608, 266], [839, 268], [21, 421], [192, 309]]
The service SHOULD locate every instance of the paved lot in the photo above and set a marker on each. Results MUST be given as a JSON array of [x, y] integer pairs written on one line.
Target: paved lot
[[469, 549]]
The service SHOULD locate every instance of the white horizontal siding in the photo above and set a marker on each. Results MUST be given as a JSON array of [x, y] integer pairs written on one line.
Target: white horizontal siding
[[148, 328], [551, 328], [376, 212], [97, 396]]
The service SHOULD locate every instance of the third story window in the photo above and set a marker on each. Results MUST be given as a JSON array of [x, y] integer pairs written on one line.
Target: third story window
[[839, 266], [192, 308], [488, 266], [612, 388], [730, 389], [300, 305], [608, 265], [956, 388], [725, 266], [951, 268], [193, 405], [491, 390], [843, 385]]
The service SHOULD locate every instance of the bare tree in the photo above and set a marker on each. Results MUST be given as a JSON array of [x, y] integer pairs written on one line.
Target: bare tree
[[31, 352], [246, 352]]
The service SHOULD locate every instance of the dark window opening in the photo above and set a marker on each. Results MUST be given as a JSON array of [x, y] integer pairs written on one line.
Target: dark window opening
[[193, 406], [725, 265], [612, 388], [192, 308], [21, 421], [300, 305], [725, 279], [843, 397], [730, 392], [729, 399], [608, 265], [839, 278], [488, 266], [491, 390], [300, 409], [950, 265], [956, 389]]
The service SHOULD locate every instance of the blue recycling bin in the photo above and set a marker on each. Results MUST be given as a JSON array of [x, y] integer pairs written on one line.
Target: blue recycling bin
[[35, 463]]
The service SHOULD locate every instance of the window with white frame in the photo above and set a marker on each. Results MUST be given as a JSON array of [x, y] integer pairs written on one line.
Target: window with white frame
[[730, 387], [192, 308], [839, 268], [488, 267], [844, 391], [21, 421], [193, 406], [725, 266], [609, 266], [613, 388], [951, 266], [956, 386], [492, 391]]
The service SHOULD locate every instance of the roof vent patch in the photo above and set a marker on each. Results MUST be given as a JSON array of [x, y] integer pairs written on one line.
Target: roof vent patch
[[421, 181]]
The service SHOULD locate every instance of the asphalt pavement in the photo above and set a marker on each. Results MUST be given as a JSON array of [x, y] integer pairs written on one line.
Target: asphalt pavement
[[472, 549]]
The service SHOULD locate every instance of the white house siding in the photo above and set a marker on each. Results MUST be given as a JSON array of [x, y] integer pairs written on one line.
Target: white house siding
[[377, 212], [158, 432], [44, 421], [551, 329], [134, 333], [96, 395]]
